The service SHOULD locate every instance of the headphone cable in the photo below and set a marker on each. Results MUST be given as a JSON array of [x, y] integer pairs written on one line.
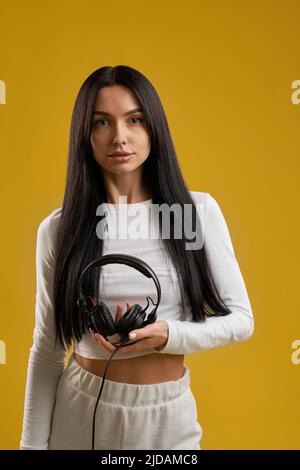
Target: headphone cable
[[101, 388]]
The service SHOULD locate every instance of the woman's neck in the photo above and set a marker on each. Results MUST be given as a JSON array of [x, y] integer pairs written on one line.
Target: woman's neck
[[134, 195]]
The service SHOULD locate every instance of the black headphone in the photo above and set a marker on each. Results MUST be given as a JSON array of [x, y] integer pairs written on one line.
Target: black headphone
[[99, 319]]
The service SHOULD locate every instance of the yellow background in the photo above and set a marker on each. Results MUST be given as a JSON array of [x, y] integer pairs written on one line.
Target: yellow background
[[224, 72]]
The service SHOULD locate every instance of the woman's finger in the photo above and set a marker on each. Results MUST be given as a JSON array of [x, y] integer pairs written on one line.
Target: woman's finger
[[104, 343], [128, 306], [92, 333], [119, 313]]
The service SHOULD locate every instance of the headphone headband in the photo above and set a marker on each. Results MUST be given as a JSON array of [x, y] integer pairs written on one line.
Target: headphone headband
[[119, 258]]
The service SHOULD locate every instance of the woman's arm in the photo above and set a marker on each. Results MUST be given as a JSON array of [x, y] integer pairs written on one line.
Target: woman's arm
[[45, 365], [187, 337]]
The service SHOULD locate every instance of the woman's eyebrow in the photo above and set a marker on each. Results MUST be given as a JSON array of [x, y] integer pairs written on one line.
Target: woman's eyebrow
[[132, 111]]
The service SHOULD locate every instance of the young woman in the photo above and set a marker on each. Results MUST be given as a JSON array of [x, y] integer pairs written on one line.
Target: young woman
[[147, 402]]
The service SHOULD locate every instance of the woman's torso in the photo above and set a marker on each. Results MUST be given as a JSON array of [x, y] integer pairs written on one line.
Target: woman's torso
[[147, 369]]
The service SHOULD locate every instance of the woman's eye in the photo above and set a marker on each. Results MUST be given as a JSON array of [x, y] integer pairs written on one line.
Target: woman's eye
[[99, 120], [137, 118]]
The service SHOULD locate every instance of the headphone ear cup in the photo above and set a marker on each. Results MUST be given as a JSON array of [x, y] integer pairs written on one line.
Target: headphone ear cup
[[83, 305], [151, 317], [103, 321], [131, 320], [86, 304]]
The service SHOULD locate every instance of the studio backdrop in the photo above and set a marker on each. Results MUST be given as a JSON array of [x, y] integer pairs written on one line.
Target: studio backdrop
[[228, 75]]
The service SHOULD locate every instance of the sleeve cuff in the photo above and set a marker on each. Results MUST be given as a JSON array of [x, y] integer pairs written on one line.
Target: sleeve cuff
[[171, 345], [38, 447]]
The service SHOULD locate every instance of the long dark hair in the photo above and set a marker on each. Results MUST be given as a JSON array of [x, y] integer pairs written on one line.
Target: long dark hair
[[76, 243]]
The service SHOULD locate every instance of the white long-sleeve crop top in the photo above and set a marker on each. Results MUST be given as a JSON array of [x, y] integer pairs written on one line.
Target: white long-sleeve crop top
[[120, 284]]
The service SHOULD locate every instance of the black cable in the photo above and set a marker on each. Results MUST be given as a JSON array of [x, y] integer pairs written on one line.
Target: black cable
[[102, 383]]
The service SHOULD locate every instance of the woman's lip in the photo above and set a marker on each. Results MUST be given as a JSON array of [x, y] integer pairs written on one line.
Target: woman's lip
[[120, 158]]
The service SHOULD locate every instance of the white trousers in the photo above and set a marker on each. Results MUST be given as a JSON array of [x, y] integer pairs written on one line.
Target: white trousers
[[129, 416]]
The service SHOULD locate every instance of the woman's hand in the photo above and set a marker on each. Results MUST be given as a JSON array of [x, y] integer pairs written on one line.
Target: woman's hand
[[155, 335]]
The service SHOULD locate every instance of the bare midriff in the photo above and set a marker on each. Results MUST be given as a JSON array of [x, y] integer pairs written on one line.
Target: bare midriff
[[147, 369]]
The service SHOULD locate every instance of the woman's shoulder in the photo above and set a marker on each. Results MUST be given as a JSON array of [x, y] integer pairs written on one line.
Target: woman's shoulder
[[208, 207], [51, 219], [48, 225], [204, 199], [199, 196]]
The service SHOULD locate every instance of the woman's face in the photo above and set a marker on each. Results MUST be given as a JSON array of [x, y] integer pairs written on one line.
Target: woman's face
[[114, 129]]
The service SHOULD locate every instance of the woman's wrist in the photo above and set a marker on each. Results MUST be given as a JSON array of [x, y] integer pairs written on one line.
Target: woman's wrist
[[159, 348]]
